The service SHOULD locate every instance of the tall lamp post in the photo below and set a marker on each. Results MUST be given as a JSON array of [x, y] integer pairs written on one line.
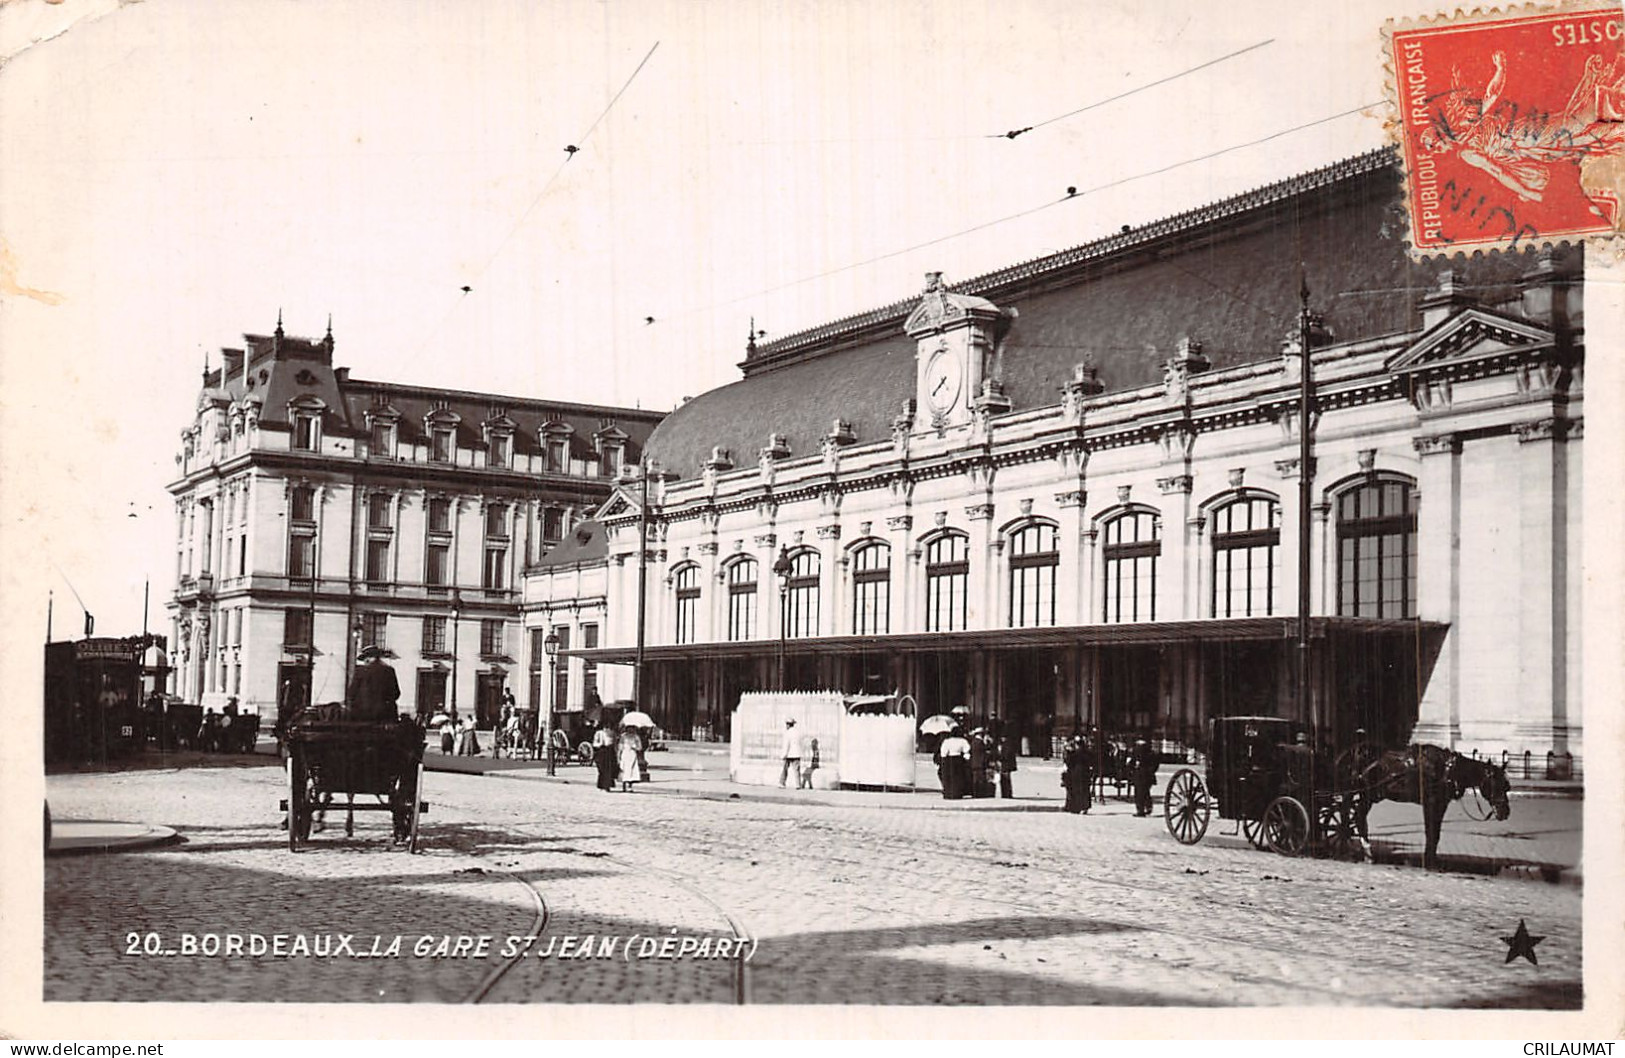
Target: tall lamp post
[[551, 646], [781, 569], [456, 615]]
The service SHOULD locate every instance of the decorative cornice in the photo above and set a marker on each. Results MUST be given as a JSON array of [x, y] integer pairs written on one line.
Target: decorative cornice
[[1288, 468], [1177, 483], [708, 548], [1538, 430], [1436, 444], [829, 532], [1075, 498], [901, 522], [766, 539], [977, 512]]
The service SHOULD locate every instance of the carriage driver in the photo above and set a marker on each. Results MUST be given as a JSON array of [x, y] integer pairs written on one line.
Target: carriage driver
[[374, 691]]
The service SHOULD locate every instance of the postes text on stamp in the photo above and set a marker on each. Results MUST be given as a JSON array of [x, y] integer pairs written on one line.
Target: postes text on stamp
[[1511, 127]]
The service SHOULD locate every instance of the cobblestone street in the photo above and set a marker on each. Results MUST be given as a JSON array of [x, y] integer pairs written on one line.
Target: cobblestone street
[[917, 901]]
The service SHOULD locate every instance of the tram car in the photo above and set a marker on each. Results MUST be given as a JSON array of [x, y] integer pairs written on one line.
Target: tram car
[[93, 699], [1264, 773]]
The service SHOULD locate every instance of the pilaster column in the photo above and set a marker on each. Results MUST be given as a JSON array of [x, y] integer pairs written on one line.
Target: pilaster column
[[1541, 668], [904, 607], [771, 610], [1438, 582], [1292, 515], [1173, 587], [1196, 551], [1070, 600], [982, 583]]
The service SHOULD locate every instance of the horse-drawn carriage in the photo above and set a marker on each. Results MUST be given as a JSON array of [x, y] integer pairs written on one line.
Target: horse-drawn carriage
[[330, 758], [1283, 795], [1290, 798]]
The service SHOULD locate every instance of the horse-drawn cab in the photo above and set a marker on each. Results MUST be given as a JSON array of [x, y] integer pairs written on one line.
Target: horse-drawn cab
[[330, 756], [1264, 773]]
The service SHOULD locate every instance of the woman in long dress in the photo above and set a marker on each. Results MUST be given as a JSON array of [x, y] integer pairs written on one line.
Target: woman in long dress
[[603, 755], [626, 758]]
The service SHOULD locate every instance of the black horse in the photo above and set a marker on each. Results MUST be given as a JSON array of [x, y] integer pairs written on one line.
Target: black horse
[[1432, 777]]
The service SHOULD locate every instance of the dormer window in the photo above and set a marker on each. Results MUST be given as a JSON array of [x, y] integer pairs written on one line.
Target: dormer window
[[558, 455], [440, 443], [383, 439], [307, 431], [612, 460], [499, 450]]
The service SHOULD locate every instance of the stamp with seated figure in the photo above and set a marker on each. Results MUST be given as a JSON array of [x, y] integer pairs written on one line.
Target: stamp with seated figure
[[1510, 125]]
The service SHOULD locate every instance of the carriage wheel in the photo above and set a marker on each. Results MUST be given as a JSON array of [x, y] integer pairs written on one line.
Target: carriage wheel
[[1253, 831], [417, 805], [584, 753], [1286, 826], [1185, 807], [1337, 828], [298, 803]]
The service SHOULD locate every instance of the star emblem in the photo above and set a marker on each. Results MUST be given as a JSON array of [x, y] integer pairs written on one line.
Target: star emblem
[[1521, 943]]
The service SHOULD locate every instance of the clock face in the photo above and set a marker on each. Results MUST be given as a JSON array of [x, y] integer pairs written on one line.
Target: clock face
[[942, 380]]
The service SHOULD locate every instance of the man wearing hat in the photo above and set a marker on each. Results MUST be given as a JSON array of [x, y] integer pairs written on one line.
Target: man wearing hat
[[790, 750], [373, 691]]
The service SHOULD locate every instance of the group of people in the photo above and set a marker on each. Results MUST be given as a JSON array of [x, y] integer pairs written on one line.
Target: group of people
[[619, 757], [800, 754], [968, 763], [1081, 759]]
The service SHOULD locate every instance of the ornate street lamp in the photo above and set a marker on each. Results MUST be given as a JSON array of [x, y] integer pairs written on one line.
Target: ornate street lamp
[[551, 646], [781, 569]]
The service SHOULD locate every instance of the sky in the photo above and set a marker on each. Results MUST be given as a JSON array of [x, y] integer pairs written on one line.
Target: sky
[[176, 173]]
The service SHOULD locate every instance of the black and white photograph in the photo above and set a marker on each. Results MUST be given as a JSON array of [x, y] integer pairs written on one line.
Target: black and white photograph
[[544, 517]]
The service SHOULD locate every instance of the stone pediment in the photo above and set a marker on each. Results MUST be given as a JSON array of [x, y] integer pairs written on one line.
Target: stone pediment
[[621, 504], [940, 308], [1470, 336]]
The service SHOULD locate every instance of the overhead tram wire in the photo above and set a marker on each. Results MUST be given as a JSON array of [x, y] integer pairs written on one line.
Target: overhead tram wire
[[1072, 195], [570, 151], [1013, 133]]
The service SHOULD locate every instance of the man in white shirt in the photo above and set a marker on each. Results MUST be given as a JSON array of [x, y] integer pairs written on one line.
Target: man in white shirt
[[790, 750]]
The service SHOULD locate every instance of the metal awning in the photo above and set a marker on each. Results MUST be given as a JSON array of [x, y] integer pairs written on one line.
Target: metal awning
[[1149, 633]]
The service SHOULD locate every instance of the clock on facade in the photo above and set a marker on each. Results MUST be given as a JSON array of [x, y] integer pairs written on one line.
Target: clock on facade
[[943, 377]]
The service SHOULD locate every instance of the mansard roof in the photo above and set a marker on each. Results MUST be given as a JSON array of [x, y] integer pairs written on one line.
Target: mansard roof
[[1227, 275], [587, 541]]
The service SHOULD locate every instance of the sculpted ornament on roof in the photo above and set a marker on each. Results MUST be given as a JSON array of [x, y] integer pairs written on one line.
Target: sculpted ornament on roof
[[939, 306]]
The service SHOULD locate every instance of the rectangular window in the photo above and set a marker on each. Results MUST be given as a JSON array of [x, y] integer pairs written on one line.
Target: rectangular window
[[552, 524], [538, 649], [561, 670], [491, 637], [305, 432], [377, 561], [437, 563], [302, 504], [499, 451], [741, 600], [589, 668], [440, 445], [434, 635], [496, 520], [383, 440], [558, 456], [431, 692], [496, 568], [372, 629], [296, 627], [612, 461], [439, 514], [301, 555], [378, 505]]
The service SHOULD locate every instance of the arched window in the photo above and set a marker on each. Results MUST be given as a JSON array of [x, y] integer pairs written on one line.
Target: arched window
[[947, 580], [871, 589], [1129, 556], [800, 597], [687, 583], [1376, 550], [1035, 554], [742, 599], [1246, 551]]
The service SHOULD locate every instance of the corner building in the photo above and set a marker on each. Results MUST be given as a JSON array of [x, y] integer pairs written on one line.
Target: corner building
[[318, 514], [1066, 492]]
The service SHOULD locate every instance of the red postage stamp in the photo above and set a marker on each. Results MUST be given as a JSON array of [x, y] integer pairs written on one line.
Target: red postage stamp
[[1511, 127]]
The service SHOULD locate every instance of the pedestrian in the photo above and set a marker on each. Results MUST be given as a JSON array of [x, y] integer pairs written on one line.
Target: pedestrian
[[1007, 761], [1077, 774], [448, 732], [953, 765], [809, 765], [1143, 765], [374, 689], [981, 781], [603, 755], [626, 758], [790, 752]]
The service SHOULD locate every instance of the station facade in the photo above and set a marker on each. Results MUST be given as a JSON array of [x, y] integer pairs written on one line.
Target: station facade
[[318, 514], [1065, 493]]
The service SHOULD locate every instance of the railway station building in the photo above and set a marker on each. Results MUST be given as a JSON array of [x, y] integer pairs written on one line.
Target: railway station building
[[318, 514], [1065, 493]]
